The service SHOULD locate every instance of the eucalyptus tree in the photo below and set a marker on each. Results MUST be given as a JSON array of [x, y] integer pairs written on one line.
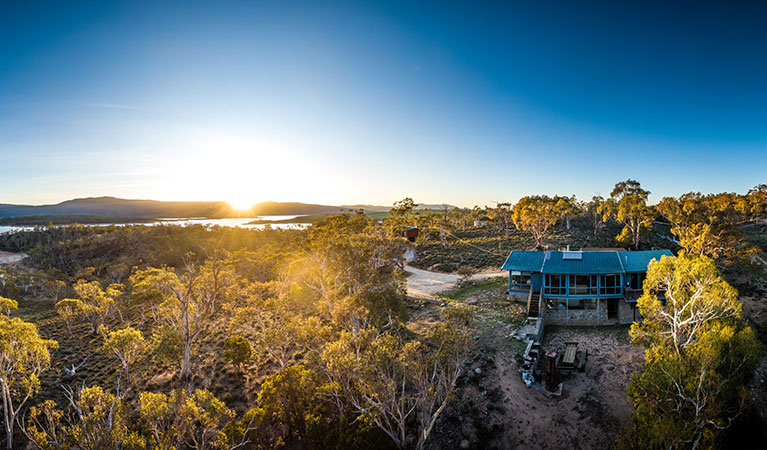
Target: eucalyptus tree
[[402, 215], [699, 355], [567, 208], [186, 419], [628, 205], [707, 224], [185, 301], [595, 212], [100, 420], [395, 383], [126, 344], [24, 355], [502, 214], [536, 214]]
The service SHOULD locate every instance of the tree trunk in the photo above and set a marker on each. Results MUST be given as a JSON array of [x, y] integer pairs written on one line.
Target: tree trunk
[[8, 416], [125, 369], [187, 362]]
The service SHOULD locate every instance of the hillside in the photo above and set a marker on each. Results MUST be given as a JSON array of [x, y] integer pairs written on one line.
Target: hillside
[[117, 207], [125, 208]]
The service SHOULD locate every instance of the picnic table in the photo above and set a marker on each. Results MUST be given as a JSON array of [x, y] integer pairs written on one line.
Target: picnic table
[[570, 350]]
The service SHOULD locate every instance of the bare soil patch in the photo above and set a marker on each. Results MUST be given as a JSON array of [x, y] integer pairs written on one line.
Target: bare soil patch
[[495, 410], [424, 283], [11, 258]]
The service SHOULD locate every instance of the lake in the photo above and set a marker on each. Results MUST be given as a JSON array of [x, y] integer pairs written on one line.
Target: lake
[[238, 222]]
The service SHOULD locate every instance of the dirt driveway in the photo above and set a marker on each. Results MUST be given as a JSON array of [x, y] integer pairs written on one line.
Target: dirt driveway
[[423, 283], [10, 258]]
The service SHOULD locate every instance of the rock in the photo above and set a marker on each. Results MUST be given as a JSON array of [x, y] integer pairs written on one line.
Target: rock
[[464, 444]]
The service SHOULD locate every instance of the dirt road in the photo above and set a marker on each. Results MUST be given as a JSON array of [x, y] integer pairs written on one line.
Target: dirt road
[[10, 258], [423, 283]]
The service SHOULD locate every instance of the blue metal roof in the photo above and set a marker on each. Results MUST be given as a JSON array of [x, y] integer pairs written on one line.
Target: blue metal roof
[[590, 262], [522, 260], [638, 261]]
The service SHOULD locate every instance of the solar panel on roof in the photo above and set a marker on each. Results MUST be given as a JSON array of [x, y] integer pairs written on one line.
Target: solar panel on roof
[[572, 255]]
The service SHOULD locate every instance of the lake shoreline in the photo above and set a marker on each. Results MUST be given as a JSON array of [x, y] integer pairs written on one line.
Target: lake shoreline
[[275, 222]]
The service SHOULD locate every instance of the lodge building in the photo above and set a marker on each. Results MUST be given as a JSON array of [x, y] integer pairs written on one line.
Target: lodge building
[[588, 287]]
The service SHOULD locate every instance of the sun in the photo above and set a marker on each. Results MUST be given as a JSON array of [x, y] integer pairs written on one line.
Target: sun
[[241, 204]]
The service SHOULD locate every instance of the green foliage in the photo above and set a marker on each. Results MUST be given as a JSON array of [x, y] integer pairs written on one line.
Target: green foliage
[[709, 225], [126, 344], [168, 344], [625, 238], [24, 355], [7, 305], [459, 316], [465, 273], [699, 356], [628, 205], [186, 302], [101, 421], [237, 350], [289, 412], [71, 309], [567, 208], [401, 215], [393, 382], [347, 259], [291, 295], [185, 419], [536, 214], [95, 302]]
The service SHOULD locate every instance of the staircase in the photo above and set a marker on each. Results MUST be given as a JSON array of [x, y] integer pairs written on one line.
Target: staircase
[[533, 304]]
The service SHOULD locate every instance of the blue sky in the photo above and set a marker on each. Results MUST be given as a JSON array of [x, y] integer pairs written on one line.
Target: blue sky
[[355, 102]]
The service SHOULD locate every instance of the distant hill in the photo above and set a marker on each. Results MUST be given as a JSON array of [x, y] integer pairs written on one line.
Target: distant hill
[[117, 207], [106, 207], [292, 209], [66, 219]]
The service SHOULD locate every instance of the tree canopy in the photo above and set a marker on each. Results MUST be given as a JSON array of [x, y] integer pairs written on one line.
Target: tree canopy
[[699, 356]]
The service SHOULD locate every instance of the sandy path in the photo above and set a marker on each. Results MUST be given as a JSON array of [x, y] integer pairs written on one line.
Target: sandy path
[[10, 258], [423, 283]]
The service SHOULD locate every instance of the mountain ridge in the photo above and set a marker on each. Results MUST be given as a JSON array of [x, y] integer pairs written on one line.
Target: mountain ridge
[[108, 206]]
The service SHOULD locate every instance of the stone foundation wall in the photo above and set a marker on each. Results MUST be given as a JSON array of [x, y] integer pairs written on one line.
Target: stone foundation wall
[[626, 315]]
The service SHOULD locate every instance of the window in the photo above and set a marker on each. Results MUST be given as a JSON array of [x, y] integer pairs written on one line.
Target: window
[[610, 285], [583, 285], [636, 280], [555, 285], [520, 279]]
